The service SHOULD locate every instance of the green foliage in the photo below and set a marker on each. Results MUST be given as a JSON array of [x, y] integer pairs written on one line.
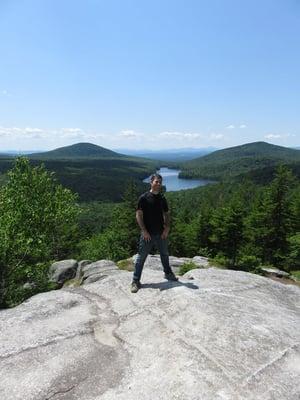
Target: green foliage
[[238, 160], [37, 224], [95, 217], [221, 260], [183, 238], [240, 224], [296, 275], [270, 222], [26, 281], [227, 230], [293, 258], [249, 263], [187, 266], [119, 240]]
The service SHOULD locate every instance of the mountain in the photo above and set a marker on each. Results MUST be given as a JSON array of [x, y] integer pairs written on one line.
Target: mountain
[[237, 160], [173, 155], [78, 150], [95, 173]]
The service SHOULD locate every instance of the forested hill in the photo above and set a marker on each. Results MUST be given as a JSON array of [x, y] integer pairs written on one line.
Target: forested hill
[[78, 150], [95, 173], [238, 160]]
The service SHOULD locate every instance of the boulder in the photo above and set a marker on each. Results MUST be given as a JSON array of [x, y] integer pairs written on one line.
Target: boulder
[[275, 272], [98, 270], [201, 262], [81, 264], [62, 271], [225, 335]]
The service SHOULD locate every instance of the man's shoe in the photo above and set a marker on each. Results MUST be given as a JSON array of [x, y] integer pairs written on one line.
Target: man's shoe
[[135, 286], [171, 277]]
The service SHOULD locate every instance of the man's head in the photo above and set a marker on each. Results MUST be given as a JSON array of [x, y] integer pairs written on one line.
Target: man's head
[[155, 182]]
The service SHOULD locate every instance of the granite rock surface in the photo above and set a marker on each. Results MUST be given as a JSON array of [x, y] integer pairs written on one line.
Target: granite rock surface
[[224, 335]]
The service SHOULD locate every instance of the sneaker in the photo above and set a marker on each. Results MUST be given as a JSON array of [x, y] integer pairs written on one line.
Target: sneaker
[[135, 286], [171, 277]]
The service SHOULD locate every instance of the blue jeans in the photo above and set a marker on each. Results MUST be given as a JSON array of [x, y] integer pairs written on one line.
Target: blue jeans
[[144, 250]]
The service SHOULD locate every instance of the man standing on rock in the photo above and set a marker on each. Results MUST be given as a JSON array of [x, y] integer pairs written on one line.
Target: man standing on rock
[[154, 220]]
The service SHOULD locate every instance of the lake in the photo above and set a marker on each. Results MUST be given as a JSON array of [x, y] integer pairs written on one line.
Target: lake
[[173, 183]]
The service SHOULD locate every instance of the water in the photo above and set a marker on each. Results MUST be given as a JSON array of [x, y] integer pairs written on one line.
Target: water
[[173, 183]]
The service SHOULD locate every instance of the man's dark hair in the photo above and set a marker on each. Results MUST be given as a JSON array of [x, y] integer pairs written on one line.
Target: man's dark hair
[[155, 176]]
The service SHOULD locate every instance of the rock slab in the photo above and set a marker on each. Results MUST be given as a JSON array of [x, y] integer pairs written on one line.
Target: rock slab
[[225, 335]]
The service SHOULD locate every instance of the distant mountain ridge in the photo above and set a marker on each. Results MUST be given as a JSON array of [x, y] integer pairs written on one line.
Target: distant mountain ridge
[[237, 160], [78, 150], [173, 155]]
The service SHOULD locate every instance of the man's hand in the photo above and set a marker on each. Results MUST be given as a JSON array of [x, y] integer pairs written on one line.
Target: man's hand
[[146, 235], [165, 233]]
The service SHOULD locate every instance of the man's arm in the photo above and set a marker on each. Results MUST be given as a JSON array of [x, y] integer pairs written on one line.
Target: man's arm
[[167, 222], [140, 221]]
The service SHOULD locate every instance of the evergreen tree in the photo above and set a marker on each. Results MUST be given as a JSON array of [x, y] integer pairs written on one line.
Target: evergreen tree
[[227, 231], [270, 223]]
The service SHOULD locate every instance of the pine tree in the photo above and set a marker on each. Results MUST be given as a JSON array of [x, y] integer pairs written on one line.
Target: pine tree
[[227, 230], [270, 223]]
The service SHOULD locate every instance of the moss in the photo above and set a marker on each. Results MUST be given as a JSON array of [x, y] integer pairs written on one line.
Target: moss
[[126, 265], [73, 282]]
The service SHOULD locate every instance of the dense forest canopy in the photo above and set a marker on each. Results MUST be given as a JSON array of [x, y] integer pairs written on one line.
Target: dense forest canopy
[[237, 160]]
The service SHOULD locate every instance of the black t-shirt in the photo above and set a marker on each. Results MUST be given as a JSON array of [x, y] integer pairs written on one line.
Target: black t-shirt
[[153, 207]]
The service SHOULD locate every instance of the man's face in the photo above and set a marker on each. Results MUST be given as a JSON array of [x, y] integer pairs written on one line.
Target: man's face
[[156, 185]]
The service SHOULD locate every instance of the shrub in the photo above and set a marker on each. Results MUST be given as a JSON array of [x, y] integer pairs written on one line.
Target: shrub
[[296, 275], [187, 266], [221, 260], [249, 263]]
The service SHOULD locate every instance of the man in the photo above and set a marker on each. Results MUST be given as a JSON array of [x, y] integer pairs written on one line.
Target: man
[[154, 220]]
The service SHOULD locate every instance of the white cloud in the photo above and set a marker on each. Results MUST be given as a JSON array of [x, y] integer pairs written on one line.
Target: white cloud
[[129, 134], [191, 135], [32, 130], [279, 135], [71, 133], [180, 135], [232, 126], [15, 132], [273, 136], [216, 136], [37, 133], [71, 130], [171, 134]]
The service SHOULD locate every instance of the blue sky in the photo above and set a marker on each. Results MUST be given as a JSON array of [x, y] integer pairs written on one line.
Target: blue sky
[[149, 74]]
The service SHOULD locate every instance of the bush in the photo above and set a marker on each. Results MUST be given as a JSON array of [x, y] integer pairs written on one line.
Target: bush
[[249, 263], [296, 275], [293, 259], [187, 266], [204, 252], [26, 281], [105, 246], [221, 260]]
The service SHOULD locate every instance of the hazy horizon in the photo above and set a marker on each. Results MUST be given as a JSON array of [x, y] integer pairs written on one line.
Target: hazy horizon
[[120, 149]]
